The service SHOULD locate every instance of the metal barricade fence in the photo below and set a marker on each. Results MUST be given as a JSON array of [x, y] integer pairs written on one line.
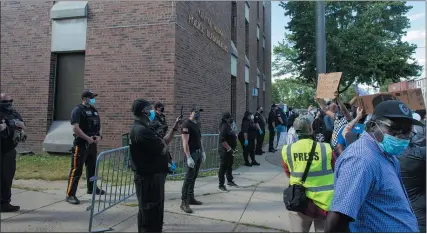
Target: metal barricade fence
[[114, 175]]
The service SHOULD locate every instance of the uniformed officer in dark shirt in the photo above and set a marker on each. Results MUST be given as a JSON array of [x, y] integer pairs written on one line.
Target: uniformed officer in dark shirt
[[227, 148], [247, 137], [161, 118], [260, 123], [272, 121], [193, 149], [11, 132], [149, 156], [86, 125]]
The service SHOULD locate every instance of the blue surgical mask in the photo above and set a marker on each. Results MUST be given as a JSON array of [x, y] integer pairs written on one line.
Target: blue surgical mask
[[393, 145], [152, 115], [197, 116], [92, 101]]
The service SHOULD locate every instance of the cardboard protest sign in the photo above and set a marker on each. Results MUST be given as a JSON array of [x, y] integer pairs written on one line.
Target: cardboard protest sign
[[413, 98], [327, 84], [370, 101]]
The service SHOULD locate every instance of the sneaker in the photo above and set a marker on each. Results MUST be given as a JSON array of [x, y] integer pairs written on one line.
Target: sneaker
[[72, 200], [248, 164], [232, 184], [98, 192], [222, 188], [9, 208], [255, 163]]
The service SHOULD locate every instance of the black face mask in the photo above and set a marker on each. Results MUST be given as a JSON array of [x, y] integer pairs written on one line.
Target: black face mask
[[6, 105], [261, 112], [162, 109]]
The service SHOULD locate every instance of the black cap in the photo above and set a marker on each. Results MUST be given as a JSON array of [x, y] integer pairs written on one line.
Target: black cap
[[226, 115], [273, 105], [196, 109], [88, 94], [158, 105], [394, 109], [138, 105]]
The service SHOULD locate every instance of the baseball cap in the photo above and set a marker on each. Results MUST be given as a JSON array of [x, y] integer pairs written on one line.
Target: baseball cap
[[302, 124], [395, 109], [196, 109], [273, 105], [138, 105], [88, 94], [226, 115], [158, 105]]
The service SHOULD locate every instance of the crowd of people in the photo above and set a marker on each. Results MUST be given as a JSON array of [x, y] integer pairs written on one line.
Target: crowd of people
[[350, 171]]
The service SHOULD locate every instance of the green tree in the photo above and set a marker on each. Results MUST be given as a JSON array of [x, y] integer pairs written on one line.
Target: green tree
[[293, 93], [363, 40]]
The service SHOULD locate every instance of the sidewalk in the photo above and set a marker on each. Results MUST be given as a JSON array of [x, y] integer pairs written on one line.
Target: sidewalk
[[256, 206]]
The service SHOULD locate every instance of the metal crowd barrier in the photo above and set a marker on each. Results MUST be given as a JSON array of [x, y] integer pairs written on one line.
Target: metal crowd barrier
[[114, 175]]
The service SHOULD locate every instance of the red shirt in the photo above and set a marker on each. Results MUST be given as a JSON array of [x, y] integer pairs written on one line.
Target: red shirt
[[312, 209]]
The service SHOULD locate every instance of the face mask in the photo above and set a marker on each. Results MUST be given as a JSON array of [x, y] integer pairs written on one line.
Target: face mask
[[252, 117], [261, 111], [393, 145], [197, 116], [152, 115], [162, 109], [7, 106], [92, 101]]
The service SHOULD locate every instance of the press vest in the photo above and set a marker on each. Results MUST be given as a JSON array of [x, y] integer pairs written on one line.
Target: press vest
[[319, 183]]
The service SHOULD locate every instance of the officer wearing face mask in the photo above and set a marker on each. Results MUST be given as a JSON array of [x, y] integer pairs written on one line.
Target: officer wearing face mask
[[150, 160], [247, 138], [260, 124], [86, 125], [369, 195], [11, 133]]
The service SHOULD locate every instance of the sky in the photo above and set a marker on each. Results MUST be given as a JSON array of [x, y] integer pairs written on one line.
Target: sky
[[415, 34]]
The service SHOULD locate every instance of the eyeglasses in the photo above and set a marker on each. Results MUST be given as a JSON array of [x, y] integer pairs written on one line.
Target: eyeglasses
[[397, 131]]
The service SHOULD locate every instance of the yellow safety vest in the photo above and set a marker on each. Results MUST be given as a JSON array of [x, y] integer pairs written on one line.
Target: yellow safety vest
[[320, 178]]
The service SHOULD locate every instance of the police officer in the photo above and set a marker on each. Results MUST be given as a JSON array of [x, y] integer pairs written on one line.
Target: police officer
[[150, 160], [87, 134], [161, 118], [193, 149], [247, 138], [319, 187], [272, 116], [260, 122], [227, 147], [11, 132]]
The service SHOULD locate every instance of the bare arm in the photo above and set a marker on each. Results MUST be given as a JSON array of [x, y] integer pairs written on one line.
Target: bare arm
[[280, 120], [340, 149], [337, 222], [354, 98], [257, 126], [185, 138], [344, 109], [78, 131], [322, 105]]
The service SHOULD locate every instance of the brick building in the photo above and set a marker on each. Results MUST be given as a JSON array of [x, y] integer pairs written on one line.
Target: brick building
[[214, 54]]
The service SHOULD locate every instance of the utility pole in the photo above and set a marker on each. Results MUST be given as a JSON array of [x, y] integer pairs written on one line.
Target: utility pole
[[320, 38]]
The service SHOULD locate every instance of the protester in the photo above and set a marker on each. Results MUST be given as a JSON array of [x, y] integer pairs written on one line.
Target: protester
[[318, 184], [413, 172], [368, 193], [351, 131]]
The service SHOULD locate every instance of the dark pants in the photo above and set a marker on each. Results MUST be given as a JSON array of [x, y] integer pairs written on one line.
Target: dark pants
[[260, 142], [8, 168], [150, 191], [191, 176], [248, 150], [83, 153], [271, 139], [225, 166]]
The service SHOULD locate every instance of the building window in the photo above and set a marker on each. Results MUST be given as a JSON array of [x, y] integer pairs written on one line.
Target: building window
[[257, 11], [257, 81], [247, 11], [234, 22], [247, 38], [247, 92], [263, 18], [246, 74], [257, 97], [233, 96], [257, 53]]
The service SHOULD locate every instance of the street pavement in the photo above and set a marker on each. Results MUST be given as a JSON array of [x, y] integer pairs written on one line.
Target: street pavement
[[256, 206]]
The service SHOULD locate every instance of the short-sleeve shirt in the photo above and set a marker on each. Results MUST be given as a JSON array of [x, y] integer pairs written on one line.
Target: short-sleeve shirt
[[259, 119], [272, 118], [226, 134], [88, 119], [357, 129], [249, 128], [368, 189], [193, 129]]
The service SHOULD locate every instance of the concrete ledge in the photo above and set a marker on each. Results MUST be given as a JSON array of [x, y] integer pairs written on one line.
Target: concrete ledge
[[60, 138]]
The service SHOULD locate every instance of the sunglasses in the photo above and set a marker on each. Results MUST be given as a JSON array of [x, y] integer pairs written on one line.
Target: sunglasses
[[402, 131]]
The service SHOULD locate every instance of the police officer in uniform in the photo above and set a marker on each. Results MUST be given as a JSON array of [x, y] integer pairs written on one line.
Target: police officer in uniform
[[11, 133], [260, 122], [150, 160], [272, 116], [193, 149], [87, 134], [227, 148], [319, 183]]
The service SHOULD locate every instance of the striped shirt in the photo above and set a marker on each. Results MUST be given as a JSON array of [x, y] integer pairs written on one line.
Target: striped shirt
[[368, 189], [339, 123]]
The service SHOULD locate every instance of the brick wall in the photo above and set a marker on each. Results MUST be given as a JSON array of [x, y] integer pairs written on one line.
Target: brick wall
[[25, 63], [129, 54], [202, 67]]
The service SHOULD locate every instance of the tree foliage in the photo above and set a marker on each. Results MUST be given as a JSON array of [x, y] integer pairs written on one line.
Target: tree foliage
[[363, 40], [292, 93]]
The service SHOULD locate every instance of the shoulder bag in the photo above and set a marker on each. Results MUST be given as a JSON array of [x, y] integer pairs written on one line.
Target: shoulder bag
[[294, 196]]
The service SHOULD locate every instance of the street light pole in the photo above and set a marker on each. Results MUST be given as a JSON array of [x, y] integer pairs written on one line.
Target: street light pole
[[320, 38]]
